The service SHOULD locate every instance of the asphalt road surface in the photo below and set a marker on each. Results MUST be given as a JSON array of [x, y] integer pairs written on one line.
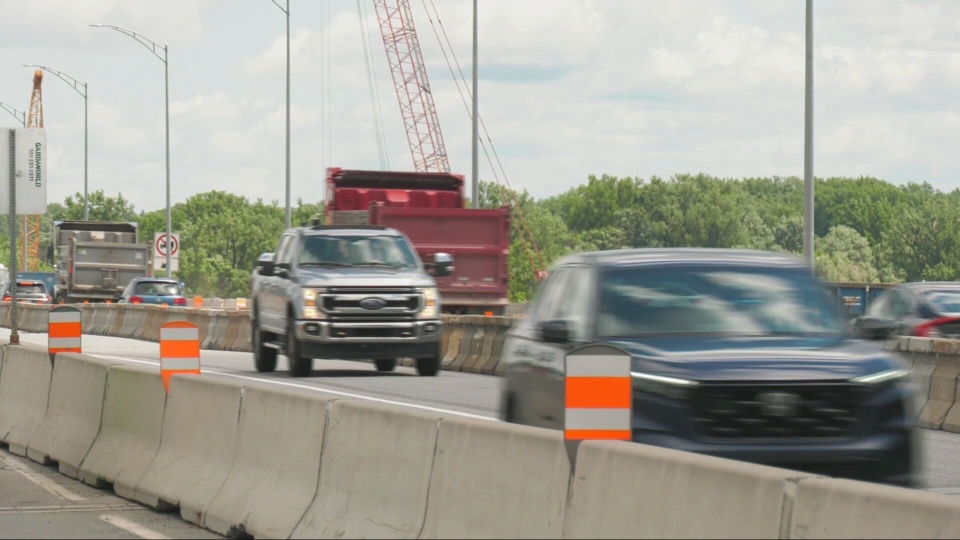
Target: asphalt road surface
[[472, 395]]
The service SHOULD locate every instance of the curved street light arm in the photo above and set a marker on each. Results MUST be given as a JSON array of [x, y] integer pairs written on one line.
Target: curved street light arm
[[18, 114], [283, 9], [64, 77], [151, 45]]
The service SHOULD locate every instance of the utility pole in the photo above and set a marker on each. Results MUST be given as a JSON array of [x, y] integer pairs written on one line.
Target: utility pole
[[476, 123], [808, 228]]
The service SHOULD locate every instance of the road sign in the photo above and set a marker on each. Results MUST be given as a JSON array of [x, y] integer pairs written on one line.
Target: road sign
[[30, 171], [160, 245], [160, 263]]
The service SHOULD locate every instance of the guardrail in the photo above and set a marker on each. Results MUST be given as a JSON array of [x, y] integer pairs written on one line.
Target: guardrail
[[251, 459], [473, 344]]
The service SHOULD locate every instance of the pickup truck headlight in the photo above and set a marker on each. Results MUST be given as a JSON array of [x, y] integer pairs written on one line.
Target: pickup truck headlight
[[431, 303], [311, 304]]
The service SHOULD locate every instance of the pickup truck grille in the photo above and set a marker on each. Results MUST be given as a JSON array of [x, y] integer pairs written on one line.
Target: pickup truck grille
[[382, 304], [777, 411]]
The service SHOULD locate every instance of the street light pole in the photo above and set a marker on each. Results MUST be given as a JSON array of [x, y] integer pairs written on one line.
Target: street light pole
[[808, 185], [21, 116], [155, 47], [76, 85], [476, 123], [286, 11]]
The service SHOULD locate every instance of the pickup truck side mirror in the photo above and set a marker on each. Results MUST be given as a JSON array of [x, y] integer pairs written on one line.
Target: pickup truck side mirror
[[265, 264], [555, 331], [876, 328], [442, 265]]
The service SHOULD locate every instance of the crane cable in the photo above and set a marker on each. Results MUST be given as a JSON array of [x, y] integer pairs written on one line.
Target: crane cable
[[374, 94], [509, 190]]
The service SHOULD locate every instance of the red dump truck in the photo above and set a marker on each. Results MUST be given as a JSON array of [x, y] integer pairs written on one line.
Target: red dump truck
[[429, 209]]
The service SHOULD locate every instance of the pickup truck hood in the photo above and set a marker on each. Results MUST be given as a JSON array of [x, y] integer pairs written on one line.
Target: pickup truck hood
[[758, 359], [363, 277]]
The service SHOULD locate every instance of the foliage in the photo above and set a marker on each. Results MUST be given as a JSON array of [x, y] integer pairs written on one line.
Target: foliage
[[866, 229]]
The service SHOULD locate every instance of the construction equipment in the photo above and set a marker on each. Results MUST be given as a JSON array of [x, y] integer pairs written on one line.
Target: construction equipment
[[420, 114], [30, 228]]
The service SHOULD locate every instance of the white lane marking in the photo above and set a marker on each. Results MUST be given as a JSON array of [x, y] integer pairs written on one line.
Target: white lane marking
[[945, 490], [132, 528], [40, 480], [313, 388]]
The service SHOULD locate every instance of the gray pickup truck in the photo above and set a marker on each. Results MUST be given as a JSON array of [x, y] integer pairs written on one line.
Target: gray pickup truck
[[350, 293]]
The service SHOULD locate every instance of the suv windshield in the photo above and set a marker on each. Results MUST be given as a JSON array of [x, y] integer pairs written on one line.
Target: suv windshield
[[715, 300], [31, 288], [377, 250], [157, 288], [944, 301]]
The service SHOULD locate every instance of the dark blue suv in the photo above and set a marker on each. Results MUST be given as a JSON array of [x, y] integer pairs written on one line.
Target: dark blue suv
[[737, 354]]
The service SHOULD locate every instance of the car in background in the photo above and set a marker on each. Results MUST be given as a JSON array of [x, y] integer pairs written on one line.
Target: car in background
[[925, 309], [29, 291], [737, 354], [153, 290]]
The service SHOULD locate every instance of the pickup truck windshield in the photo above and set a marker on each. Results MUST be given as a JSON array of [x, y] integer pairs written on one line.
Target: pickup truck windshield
[[385, 251], [727, 301]]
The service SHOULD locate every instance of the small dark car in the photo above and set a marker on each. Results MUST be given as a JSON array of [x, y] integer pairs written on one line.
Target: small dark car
[[926, 309], [29, 291], [734, 353]]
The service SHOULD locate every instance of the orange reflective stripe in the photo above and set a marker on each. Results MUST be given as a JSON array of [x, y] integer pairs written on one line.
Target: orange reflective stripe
[[64, 329], [71, 349], [180, 349], [598, 393], [601, 434]]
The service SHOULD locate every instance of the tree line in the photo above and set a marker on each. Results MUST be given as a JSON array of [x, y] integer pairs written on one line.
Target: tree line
[[867, 230]]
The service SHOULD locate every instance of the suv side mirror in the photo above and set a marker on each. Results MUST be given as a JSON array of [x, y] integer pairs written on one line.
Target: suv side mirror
[[442, 265], [265, 264], [555, 331], [876, 328]]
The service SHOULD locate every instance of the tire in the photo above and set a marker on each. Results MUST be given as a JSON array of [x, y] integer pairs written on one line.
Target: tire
[[264, 358], [299, 366], [428, 367], [385, 365]]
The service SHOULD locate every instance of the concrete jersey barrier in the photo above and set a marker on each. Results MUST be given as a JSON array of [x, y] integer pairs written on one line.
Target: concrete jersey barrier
[[376, 470]]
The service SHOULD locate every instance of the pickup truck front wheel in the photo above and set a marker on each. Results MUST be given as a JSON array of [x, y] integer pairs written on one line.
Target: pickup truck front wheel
[[385, 364], [299, 366], [264, 358], [428, 367]]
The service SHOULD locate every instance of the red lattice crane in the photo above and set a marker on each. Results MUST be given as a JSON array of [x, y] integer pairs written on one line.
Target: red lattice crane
[[30, 230], [412, 86]]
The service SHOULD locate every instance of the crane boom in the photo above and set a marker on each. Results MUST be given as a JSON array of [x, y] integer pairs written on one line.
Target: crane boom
[[412, 86]]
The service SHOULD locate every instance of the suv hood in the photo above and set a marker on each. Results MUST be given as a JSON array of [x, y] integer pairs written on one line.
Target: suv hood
[[363, 277], [758, 358]]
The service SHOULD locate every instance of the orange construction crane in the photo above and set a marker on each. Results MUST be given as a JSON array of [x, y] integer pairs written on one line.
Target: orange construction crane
[[30, 230]]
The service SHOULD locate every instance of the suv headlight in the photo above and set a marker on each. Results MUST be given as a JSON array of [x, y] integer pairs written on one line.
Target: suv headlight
[[670, 387], [431, 303], [311, 304], [882, 377]]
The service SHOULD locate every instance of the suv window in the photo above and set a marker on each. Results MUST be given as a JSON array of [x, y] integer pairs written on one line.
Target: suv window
[[729, 300], [157, 288], [31, 288], [366, 250]]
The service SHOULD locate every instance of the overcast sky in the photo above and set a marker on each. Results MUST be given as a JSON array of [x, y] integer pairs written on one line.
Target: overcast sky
[[568, 88]]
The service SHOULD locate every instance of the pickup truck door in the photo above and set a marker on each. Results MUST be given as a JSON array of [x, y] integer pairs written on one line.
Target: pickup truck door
[[271, 292]]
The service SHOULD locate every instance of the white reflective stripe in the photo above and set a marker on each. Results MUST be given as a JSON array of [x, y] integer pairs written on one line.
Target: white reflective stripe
[[64, 316], [180, 334], [606, 419], [598, 366], [63, 343], [179, 363]]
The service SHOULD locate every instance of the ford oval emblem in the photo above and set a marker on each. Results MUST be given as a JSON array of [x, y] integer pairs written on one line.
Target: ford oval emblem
[[373, 303]]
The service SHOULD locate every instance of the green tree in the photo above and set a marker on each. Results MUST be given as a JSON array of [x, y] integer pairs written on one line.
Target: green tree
[[844, 255]]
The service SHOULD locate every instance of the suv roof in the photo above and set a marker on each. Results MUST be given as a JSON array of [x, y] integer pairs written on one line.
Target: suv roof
[[643, 256], [356, 230]]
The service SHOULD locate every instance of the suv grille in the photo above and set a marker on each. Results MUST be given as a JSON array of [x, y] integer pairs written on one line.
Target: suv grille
[[398, 303], [776, 411]]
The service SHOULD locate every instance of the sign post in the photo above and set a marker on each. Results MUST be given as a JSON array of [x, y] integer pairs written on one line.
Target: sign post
[[23, 163], [160, 247], [598, 396]]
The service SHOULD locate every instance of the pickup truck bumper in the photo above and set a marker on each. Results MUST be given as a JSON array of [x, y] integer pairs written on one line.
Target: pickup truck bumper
[[369, 340]]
